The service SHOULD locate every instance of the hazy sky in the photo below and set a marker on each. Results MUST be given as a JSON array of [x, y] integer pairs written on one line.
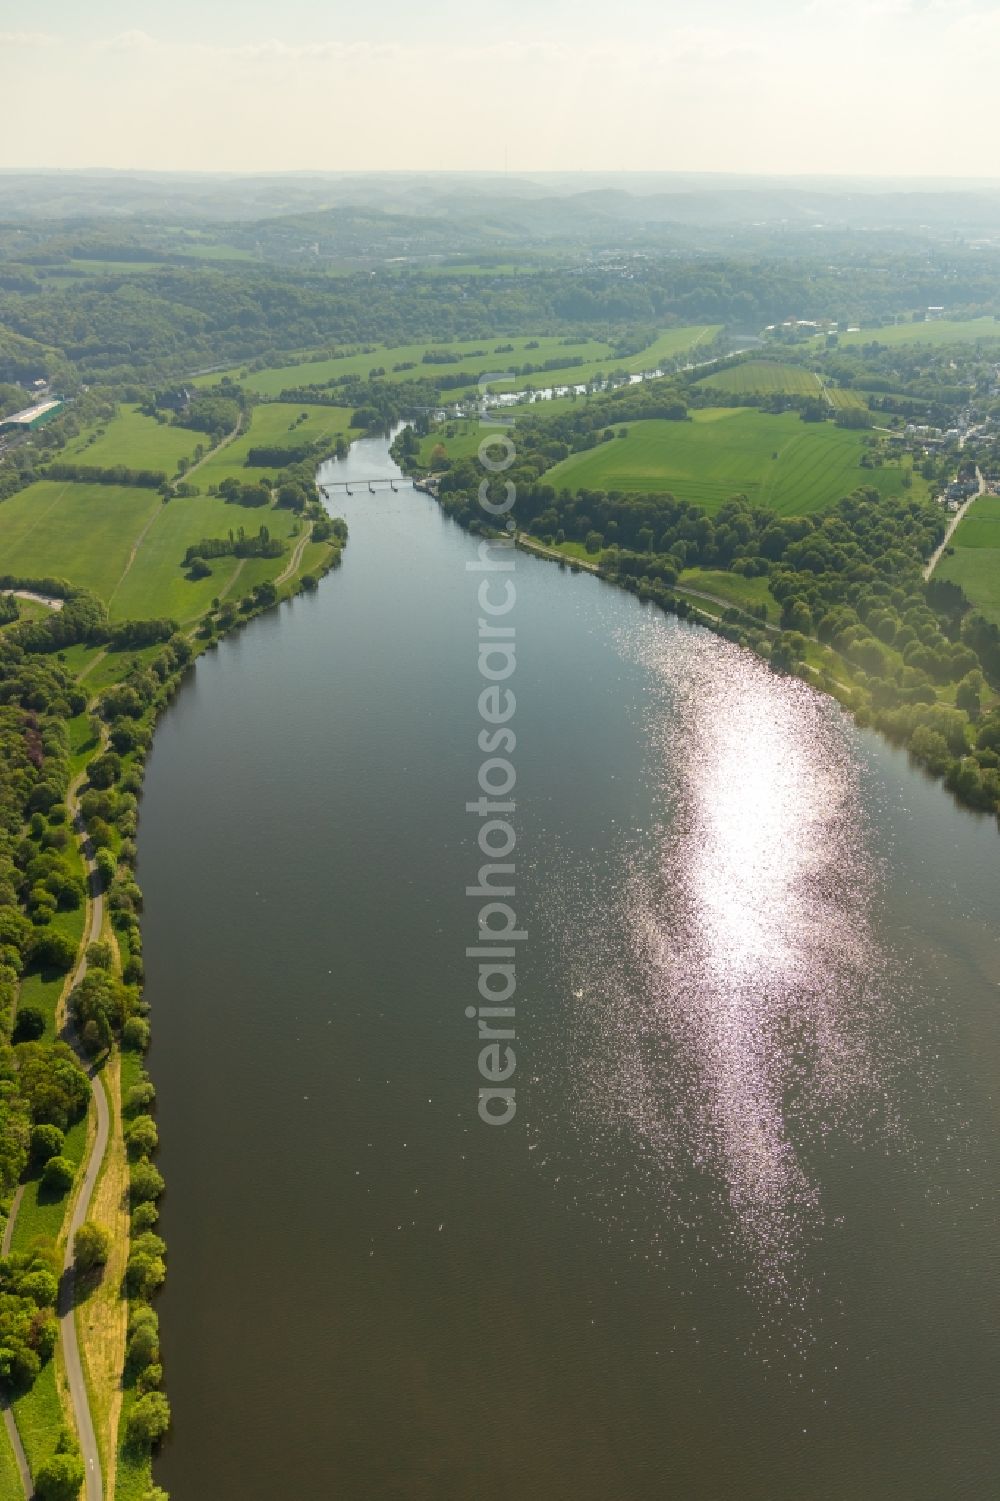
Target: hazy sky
[[873, 86]]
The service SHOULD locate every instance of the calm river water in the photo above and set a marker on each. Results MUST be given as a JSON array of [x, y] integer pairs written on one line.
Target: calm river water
[[740, 1242]]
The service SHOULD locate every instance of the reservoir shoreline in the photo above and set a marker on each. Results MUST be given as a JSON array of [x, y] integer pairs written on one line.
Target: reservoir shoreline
[[704, 841]]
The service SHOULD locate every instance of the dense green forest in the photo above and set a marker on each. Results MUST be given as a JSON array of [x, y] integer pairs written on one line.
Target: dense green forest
[[169, 320]]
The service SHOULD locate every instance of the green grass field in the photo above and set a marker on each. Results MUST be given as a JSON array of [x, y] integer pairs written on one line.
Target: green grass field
[[272, 422], [207, 251], [128, 545], [157, 585], [41, 1212], [975, 563], [778, 461], [10, 1482], [460, 440], [39, 1413], [39, 1416], [28, 609], [84, 533], [844, 400], [42, 988], [667, 346], [597, 357], [272, 382], [732, 587], [944, 331], [980, 527], [136, 441], [765, 378]]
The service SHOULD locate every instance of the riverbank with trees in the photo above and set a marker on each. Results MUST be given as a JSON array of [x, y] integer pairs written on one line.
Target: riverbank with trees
[[80, 694], [854, 614]]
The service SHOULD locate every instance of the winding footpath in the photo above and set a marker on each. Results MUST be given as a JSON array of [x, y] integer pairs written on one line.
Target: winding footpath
[[76, 1381], [94, 1488], [296, 558], [67, 1286]]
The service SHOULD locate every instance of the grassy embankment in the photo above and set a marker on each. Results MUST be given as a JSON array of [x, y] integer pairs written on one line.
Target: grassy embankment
[[10, 1480], [43, 988], [791, 466], [130, 1467], [975, 563], [45, 1409], [477, 356], [944, 331]]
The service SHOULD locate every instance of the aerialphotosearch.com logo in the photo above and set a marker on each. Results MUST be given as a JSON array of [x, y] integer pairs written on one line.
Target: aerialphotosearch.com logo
[[497, 931]]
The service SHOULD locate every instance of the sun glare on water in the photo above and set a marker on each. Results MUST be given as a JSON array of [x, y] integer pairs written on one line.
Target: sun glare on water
[[736, 1009]]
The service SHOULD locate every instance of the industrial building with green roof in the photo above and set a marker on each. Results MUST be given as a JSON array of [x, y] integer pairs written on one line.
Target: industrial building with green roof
[[36, 416]]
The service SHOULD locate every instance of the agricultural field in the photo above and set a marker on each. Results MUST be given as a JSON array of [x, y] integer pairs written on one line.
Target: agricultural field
[[135, 440], [944, 331], [597, 357], [272, 422], [128, 545], [842, 399], [273, 381], [157, 584], [765, 378], [188, 244], [774, 378], [975, 563], [83, 533], [778, 461], [667, 346]]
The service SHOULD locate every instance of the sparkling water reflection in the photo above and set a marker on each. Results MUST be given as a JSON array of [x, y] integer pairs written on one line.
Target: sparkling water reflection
[[730, 1079], [747, 1013]]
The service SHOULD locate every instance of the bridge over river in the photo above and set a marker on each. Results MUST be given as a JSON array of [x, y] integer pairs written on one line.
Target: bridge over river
[[329, 487]]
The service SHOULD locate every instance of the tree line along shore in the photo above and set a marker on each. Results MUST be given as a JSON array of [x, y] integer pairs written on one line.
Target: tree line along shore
[[788, 497], [81, 687]]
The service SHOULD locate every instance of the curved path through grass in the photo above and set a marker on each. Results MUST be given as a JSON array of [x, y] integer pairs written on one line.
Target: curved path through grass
[[67, 1292], [67, 1286], [296, 558]]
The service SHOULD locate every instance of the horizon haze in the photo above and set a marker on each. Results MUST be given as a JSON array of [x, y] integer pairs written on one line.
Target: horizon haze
[[876, 87]]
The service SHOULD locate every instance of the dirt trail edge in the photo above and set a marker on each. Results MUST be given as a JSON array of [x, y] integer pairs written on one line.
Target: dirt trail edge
[[67, 1291]]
